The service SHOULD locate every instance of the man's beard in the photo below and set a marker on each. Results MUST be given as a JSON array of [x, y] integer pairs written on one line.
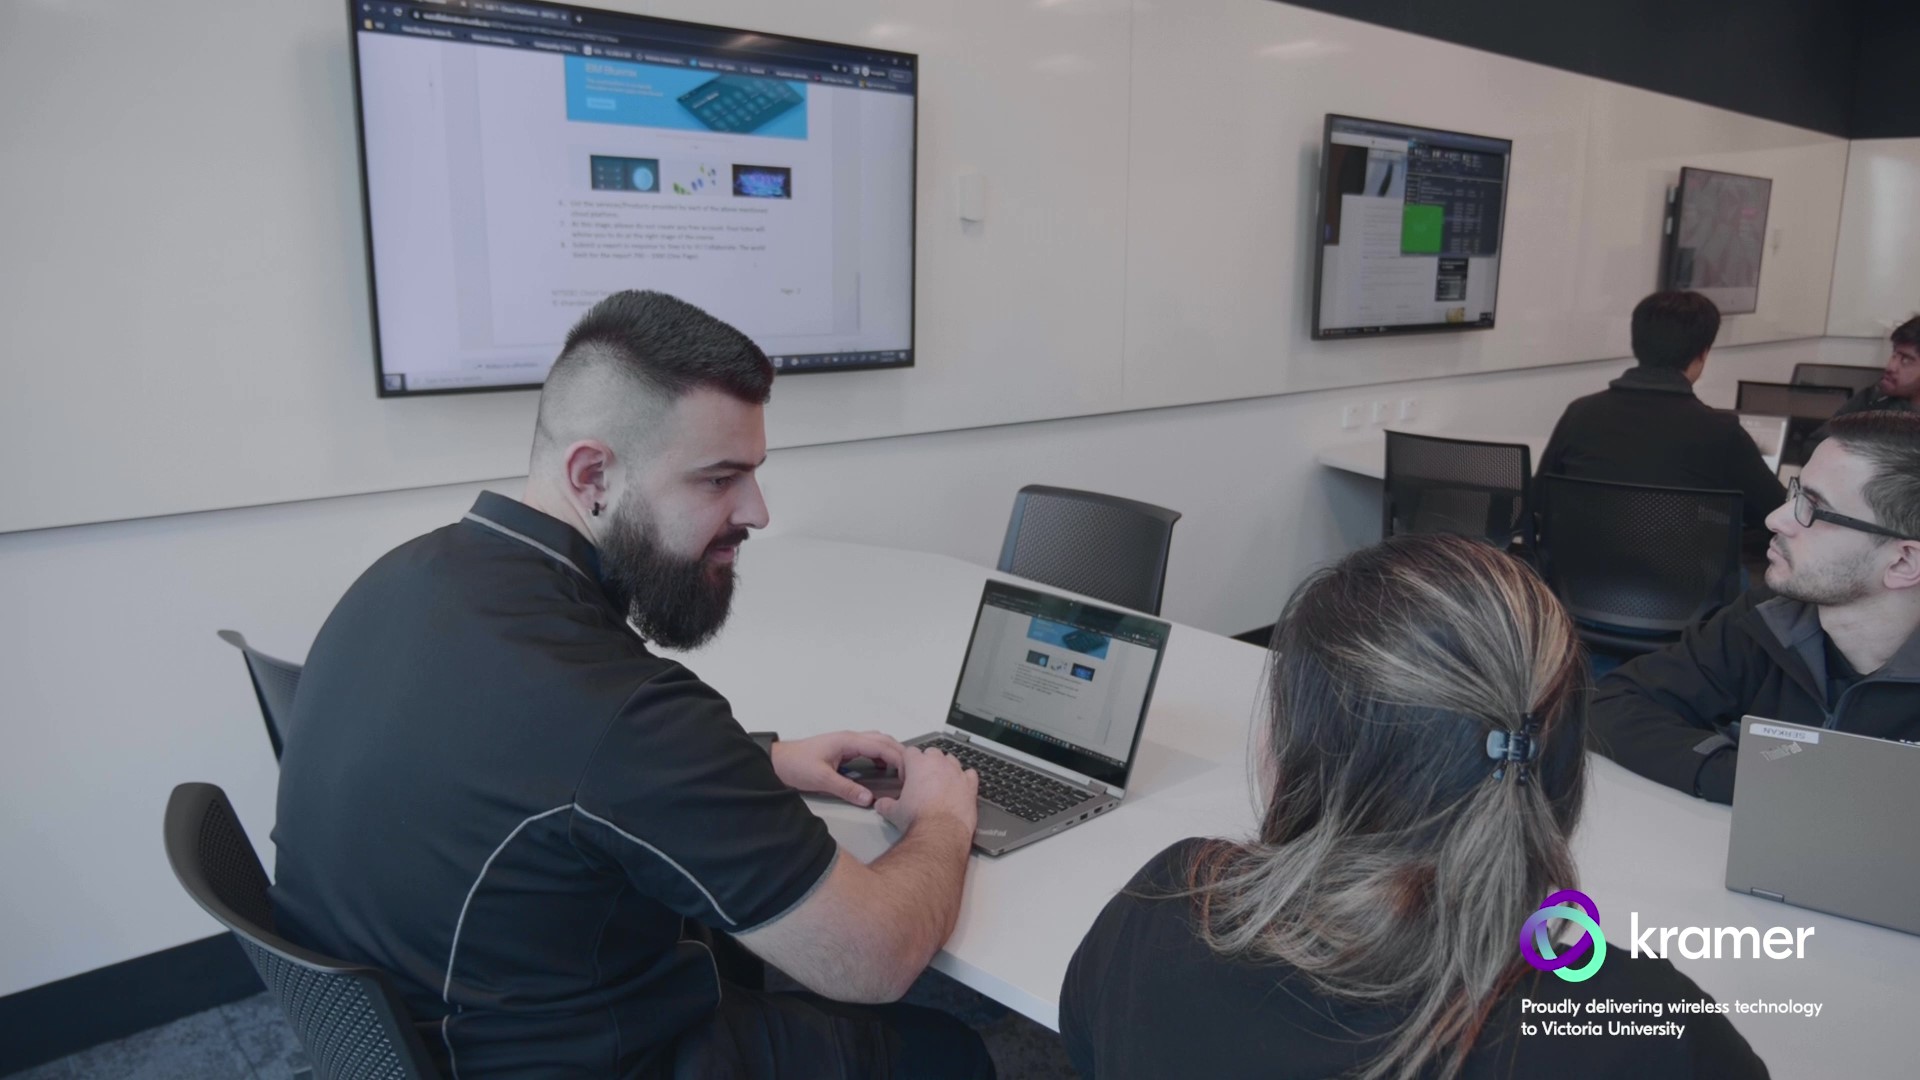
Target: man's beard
[[676, 602], [1831, 585]]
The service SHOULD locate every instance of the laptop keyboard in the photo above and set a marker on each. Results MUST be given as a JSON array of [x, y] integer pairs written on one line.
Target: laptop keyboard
[[1020, 791]]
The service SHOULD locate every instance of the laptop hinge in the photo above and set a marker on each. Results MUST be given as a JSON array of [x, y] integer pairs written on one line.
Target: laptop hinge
[[1098, 787], [1781, 897]]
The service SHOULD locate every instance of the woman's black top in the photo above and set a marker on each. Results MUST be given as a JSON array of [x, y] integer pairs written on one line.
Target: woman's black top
[[1145, 997]]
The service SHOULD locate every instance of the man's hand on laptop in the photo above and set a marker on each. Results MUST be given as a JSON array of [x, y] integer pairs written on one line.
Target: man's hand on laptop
[[814, 764], [932, 784]]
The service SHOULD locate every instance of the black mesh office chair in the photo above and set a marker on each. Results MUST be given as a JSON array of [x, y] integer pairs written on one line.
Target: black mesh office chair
[[1102, 546], [1477, 489], [1806, 408], [1855, 379], [1635, 565], [350, 1020], [274, 682]]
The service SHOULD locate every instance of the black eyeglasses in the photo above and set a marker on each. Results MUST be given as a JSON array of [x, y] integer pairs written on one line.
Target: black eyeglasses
[[1806, 514]]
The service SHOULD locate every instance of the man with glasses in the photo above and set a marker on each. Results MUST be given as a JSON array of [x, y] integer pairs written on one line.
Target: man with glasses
[[1899, 387], [1838, 646]]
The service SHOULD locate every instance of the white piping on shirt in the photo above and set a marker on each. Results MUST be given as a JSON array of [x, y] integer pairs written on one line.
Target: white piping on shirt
[[525, 539], [719, 991], [446, 988], [591, 816]]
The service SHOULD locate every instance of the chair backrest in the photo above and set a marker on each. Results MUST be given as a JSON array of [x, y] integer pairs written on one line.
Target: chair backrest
[[1639, 557], [1786, 399], [1459, 486], [274, 682], [350, 1020], [1806, 407], [1851, 376], [1102, 546]]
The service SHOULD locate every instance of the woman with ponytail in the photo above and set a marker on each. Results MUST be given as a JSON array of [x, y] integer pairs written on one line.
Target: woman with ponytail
[[1422, 766]]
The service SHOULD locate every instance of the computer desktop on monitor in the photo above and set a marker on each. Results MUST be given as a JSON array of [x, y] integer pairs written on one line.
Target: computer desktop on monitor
[[523, 160], [1410, 229]]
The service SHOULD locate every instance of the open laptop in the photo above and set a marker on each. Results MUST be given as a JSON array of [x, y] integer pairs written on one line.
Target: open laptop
[[1052, 696], [1769, 434], [1810, 814]]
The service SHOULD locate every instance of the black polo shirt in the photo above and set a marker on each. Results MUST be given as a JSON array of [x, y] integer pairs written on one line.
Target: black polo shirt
[[493, 791]]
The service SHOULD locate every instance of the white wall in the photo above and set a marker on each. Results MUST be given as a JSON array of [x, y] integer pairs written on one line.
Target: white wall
[[1876, 270], [113, 687], [183, 305]]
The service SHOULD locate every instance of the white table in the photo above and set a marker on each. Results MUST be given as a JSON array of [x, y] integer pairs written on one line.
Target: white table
[[1368, 456], [829, 635]]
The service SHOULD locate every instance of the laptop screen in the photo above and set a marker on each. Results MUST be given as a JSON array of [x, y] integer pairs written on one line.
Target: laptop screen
[[1062, 680]]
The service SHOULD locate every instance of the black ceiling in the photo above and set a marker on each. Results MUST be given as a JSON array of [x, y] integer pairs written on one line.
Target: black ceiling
[[1843, 67]]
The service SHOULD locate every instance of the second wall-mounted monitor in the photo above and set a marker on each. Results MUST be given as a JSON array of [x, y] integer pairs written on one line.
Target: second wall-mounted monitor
[[1717, 233], [1410, 222], [523, 160]]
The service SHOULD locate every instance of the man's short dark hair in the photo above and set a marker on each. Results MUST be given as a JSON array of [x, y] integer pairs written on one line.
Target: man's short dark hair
[[1671, 328], [1907, 333], [1890, 442], [669, 345]]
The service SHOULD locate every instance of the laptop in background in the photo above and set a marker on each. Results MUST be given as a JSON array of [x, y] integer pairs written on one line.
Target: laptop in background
[[1052, 696], [1769, 433], [1824, 820]]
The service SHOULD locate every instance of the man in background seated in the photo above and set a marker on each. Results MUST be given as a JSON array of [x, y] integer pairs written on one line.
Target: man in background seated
[[1837, 647], [1899, 387], [494, 790], [1648, 428]]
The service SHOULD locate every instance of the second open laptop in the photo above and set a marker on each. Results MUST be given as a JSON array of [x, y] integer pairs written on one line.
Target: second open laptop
[[1052, 696], [1821, 820]]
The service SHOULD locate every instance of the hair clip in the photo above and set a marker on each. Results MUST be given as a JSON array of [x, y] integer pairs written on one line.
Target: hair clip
[[1514, 747]]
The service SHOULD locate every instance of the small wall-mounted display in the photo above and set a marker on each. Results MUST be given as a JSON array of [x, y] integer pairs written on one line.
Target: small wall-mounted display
[[1410, 224], [1716, 234]]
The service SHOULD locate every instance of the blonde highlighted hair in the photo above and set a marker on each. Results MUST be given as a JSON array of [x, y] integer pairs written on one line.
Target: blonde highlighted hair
[[1392, 866]]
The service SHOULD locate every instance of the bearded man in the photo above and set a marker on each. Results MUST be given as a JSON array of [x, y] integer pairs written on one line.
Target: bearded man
[[555, 841], [1838, 646]]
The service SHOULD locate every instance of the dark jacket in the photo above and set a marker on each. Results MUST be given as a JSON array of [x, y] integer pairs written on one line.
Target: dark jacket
[[1870, 399], [1673, 715], [1648, 428]]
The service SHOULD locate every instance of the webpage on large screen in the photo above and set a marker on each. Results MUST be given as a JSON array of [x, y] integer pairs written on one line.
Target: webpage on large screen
[[1410, 228], [1037, 666], [524, 161]]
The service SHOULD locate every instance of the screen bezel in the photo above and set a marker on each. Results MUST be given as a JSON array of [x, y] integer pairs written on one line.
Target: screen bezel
[[366, 201], [1066, 757], [1320, 232], [1672, 261]]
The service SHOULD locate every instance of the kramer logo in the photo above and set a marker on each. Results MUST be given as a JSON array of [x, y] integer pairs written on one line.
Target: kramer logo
[[1536, 946]]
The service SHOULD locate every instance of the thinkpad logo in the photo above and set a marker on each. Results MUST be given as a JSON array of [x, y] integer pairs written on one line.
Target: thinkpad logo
[[1779, 752], [993, 832]]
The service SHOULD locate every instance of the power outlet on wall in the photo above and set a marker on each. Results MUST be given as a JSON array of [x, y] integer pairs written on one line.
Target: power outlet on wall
[[1350, 416], [1409, 408], [1379, 412]]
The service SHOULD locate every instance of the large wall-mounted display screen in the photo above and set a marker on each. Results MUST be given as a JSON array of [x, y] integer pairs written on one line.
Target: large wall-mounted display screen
[[1716, 236], [523, 160], [1410, 222]]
